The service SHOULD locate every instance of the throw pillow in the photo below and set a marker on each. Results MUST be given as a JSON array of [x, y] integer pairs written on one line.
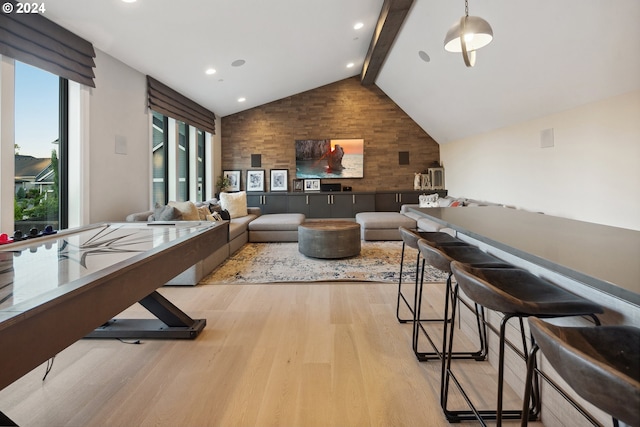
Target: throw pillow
[[444, 202], [166, 213], [203, 213], [188, 210], [224, 215], [430, 201], [235, 203], [214, 207]]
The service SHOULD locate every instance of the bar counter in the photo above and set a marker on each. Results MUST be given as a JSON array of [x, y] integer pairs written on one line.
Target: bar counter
[[603, 257]]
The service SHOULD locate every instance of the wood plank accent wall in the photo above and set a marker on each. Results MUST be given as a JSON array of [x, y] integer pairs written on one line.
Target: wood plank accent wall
[[344, 109]]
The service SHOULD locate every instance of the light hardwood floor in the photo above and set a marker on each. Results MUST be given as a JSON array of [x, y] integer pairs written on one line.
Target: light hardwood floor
[[271, 355]]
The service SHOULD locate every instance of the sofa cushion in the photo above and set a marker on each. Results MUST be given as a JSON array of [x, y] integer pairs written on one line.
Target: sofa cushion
[[426, 224], [188, 210], [204, 214], [235, 203], [140, 216], [445, 202], [237, 226], [384, 220], [278, 222], [166, 213]]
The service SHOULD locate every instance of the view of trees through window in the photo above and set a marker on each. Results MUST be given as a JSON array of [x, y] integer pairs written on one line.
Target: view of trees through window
[[187, 166], [200, 166], [37, 116]]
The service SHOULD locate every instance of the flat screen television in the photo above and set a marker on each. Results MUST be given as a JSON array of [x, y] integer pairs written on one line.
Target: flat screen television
[[329, 158]]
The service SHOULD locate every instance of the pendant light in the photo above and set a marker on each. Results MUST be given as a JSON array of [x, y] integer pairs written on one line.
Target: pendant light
[[468, 35]]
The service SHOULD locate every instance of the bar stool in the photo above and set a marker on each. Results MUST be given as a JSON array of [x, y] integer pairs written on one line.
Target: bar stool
[[602, 365], [514, 292], [440, 256], [410, 238]]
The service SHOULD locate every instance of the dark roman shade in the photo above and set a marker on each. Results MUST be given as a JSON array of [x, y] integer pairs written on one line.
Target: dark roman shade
[[33, 39], [167, 101]]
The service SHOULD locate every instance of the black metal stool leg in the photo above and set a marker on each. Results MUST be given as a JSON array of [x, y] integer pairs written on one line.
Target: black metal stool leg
[[401, 296], [478, 355], [532, 401], [446, 350], [499, 414], [418, 328], [528, 383]]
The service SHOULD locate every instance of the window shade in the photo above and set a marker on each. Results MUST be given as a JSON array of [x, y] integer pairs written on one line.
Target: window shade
[[35, 40], [167, 101]]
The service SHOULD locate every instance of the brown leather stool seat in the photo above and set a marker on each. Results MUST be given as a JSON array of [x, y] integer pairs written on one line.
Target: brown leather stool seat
[[515, 293], [601, 364], [410, 238]]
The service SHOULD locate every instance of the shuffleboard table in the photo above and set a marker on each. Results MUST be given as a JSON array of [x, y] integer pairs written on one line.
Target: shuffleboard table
[[57, 289]]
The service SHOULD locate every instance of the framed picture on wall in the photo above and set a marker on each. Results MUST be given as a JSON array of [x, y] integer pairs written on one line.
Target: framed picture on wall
[[298, 185], [311, 185], [279, 179], [255, 180], [234, 180]]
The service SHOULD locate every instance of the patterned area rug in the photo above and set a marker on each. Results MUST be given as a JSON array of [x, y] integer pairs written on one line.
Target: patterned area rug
[[281, 262]]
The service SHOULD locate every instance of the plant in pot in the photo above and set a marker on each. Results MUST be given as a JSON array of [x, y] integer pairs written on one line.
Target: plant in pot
[[222, 183]]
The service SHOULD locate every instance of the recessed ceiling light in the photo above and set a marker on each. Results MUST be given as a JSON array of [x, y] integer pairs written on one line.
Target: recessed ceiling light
[[242, 99], [424, 56], [350, 65], [358, 26], [238, 63], [129, 1], [210, 71]]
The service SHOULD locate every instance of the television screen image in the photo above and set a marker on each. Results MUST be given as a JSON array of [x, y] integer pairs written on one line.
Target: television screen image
[[329, 158]]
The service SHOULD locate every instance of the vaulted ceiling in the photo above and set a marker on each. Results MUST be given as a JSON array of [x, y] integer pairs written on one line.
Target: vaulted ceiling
[[546, 56]]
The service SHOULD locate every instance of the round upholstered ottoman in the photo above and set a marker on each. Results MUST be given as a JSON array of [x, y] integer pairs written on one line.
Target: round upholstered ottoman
[[329, 239]]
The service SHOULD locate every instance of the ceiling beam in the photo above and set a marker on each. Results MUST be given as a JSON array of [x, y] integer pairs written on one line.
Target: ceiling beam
[[391, 17]]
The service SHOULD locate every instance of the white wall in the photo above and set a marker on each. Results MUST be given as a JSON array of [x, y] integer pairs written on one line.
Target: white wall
[[7, 141], [591, 174], [119, 183]]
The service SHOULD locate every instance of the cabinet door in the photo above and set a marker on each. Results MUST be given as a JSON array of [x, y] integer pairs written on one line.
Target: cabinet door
[[363, 203], [297, 203], [341, 205], [409, 198], [387, 202], [319, 206], [254, 200], [274, 203]]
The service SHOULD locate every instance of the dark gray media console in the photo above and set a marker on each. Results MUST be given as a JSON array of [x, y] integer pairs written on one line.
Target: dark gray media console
[[335, 204]]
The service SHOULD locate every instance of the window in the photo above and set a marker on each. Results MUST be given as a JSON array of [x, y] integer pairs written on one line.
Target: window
[[179, 160], [159, 153], [183, 162], [200, 168], [40, 150]]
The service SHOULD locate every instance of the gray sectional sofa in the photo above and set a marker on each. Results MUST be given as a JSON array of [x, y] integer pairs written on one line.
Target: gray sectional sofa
[[238, 235], [248, 225]]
